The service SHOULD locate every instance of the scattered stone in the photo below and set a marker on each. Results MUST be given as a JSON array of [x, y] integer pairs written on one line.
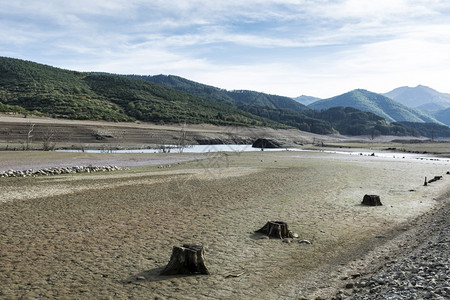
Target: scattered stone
[[293, 235], [305, 242], [422, 274], [58, 171]]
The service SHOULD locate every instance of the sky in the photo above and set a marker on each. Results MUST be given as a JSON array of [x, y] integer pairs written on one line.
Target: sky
[[319, 48]]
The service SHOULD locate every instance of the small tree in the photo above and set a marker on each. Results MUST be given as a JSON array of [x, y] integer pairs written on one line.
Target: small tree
[[49, 140], [29, 135], [182, 139]]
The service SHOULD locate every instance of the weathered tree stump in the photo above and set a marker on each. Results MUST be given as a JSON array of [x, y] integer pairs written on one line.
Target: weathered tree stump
[[276, 229], [189, 259], [371, 200], [436, 178]]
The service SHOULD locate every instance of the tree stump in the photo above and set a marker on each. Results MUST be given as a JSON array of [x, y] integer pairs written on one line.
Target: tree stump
[[189, 259], [276, 229], [371, 200]]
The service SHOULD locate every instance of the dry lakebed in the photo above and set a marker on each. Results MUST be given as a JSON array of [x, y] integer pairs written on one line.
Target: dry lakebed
[[108, 235]]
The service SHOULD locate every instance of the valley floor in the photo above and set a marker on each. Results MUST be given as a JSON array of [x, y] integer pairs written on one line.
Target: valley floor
[[108, 235]]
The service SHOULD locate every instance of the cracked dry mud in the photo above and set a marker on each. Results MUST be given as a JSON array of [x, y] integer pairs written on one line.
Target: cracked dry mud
[[109, 235]]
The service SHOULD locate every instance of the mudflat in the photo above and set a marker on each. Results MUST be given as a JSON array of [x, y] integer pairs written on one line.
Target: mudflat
[[109, 235]]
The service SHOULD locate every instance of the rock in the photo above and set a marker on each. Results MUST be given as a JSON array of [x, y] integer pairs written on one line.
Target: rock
[[266, 143], [58, 171], [292, 235], [305, 242]]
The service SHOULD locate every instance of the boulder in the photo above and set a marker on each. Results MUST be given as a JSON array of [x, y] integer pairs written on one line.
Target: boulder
[[266, 143]]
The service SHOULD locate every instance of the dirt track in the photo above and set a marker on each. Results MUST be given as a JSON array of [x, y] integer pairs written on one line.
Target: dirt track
[[109, 235]]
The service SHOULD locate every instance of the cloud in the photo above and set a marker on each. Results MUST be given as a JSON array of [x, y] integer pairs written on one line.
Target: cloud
[[278, 46]]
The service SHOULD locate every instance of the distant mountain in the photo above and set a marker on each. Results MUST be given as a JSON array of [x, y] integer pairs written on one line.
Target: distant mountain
[[380, 105], [421, 97], [443, 116], [306, 100], [351, 121]]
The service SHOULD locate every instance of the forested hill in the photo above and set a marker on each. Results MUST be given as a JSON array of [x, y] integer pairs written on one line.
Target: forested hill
[[276, 108], [239, 98], [32, 88], [28, 87]]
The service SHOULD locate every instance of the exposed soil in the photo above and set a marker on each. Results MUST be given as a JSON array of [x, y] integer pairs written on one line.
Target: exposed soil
[[109, 235], [18, 133]]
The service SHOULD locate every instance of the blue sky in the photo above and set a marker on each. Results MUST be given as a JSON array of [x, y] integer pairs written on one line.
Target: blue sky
[[320, 48]]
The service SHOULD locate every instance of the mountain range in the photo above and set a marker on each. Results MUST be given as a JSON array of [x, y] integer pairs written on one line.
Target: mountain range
[[421, 97], [380, 105], [32, 88]]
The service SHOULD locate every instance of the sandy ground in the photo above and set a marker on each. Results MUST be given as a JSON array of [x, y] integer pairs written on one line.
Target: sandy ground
[[109, 235]]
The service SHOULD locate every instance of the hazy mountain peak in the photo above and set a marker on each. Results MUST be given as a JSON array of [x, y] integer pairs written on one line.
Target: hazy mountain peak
[[376, 103], [420, 96]]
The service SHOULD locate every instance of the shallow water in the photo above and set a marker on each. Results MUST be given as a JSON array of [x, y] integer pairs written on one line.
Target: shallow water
[[187, 149], [248, 148]]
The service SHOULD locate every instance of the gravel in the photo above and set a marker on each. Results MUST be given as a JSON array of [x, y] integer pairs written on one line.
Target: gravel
[[423, 273]]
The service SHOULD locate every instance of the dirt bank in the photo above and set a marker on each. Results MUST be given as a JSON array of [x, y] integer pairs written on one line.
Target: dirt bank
[[32, 133]]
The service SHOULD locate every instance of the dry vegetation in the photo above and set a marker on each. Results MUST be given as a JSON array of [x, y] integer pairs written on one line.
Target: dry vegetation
[[109, 235]]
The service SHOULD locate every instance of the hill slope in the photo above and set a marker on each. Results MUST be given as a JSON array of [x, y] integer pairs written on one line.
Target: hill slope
[[276, 108], [239, 98], [28, 87], [306, 100], [443, 116], [421, 97], [378, 104]]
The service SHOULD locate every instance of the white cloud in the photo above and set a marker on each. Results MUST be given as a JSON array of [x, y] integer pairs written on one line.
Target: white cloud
[[289, 47]]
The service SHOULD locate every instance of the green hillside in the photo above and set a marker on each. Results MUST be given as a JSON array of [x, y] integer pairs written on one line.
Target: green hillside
[[240, 98], [378, 104], [28, 87], [32, 88], [429, 130], [190, 87], [244, 98], [279, 109]]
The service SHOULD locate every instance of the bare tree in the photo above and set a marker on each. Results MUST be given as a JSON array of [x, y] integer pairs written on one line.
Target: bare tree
[[49, 140], [182, 139], [29, 135]]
